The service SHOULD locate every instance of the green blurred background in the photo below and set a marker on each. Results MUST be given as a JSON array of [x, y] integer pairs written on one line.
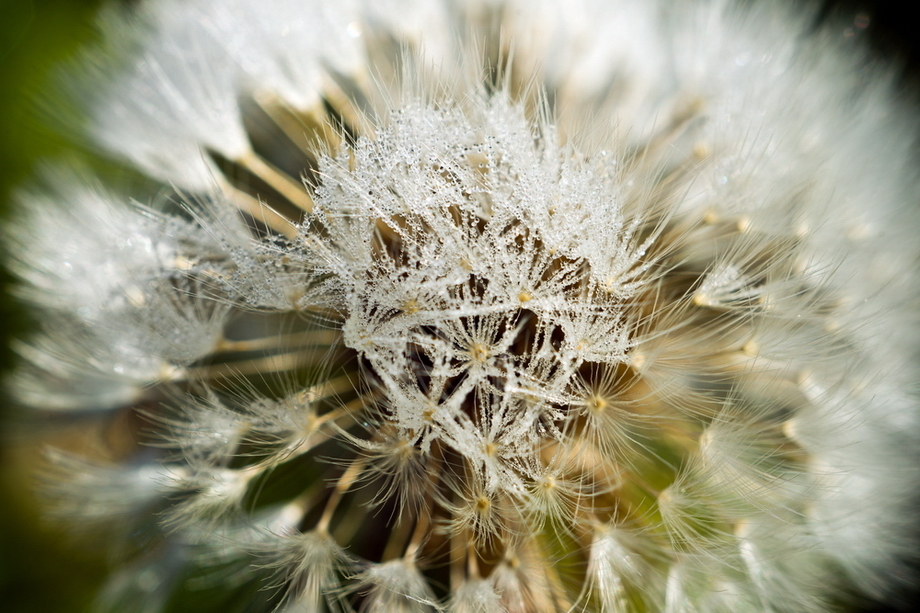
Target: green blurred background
[[39, 572], [40, 569]]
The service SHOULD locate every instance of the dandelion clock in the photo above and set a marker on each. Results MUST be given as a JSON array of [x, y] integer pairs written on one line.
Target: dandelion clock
[[481, 306]]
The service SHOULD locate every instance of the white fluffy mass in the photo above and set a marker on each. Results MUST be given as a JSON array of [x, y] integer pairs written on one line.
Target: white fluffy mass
[[489, 305]]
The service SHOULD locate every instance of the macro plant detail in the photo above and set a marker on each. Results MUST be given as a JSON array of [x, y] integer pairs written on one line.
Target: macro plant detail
[[484, 306]]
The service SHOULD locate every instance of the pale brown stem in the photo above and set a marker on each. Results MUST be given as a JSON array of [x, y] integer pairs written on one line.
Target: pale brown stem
[[294, 191], [260, 211], [282, 362], [342, 486], [315, 337]]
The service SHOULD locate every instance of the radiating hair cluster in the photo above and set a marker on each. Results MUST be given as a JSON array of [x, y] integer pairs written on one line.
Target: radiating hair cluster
[[483, 306]]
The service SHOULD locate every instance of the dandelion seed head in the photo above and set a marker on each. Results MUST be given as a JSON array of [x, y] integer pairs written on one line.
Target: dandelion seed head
[[487, 306]]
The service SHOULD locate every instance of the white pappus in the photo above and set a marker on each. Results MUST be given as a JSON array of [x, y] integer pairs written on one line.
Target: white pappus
[[486, 305]]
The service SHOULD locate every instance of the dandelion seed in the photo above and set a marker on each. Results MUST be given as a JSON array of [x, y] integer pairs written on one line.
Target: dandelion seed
[[486, 306]]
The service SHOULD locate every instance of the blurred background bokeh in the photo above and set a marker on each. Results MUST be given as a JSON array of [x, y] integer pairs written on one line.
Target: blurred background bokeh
[[40, 572], [43, 570]]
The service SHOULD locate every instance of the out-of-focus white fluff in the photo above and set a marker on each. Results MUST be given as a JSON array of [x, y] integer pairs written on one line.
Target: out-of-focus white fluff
[[771, 160]]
